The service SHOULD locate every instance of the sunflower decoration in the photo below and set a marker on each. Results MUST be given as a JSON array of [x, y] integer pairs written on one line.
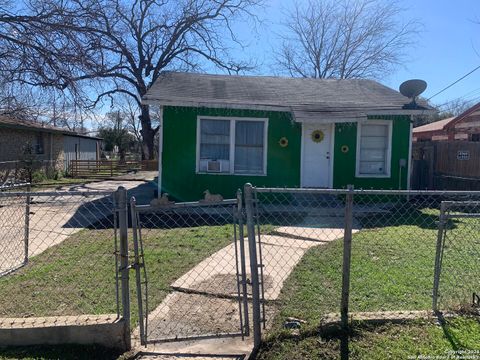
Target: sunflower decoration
[[317, 136]]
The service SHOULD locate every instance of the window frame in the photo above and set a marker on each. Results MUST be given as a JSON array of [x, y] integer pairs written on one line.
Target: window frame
[[233, 121], [388, 158], [39, 144]]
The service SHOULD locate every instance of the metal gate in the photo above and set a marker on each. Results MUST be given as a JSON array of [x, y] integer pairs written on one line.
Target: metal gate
[[190, 270], [456, 280]]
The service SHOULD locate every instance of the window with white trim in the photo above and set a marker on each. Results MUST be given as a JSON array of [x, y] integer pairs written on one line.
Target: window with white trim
[[232, 146], [373, 156]]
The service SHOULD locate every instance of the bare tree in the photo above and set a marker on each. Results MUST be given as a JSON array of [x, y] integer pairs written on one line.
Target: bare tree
[[453, 108], [112, 47], [344, 39]]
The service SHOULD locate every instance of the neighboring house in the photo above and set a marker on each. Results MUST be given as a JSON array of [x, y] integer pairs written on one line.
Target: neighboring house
[[465, 126], [49, 144], [219, 132]]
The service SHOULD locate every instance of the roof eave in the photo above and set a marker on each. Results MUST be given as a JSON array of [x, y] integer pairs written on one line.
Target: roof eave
[[213, 104], [47, 130], [266, 107], [31, 128]]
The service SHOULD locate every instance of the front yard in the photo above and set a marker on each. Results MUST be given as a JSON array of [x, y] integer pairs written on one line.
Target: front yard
[[78, 276], [392, 269]]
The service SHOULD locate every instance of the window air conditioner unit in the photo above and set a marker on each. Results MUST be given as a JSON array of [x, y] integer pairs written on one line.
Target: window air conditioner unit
[[214, 166]]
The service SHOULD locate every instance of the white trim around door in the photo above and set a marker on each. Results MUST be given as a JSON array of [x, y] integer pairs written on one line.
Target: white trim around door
[[327, 129]]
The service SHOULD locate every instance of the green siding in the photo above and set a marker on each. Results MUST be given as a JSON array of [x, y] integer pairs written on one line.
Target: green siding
[[344, 163], [179, 178], [283, 165]]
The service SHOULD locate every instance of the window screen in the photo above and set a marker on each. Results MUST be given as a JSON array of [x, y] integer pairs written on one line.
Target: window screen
[[374, 144], [249, 137]]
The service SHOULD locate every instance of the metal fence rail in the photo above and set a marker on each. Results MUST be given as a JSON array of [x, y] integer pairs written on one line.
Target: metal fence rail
[[58, 254]]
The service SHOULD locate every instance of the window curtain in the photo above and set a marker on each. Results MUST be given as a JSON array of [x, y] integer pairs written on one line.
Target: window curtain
[[215, 139], [249, 138]]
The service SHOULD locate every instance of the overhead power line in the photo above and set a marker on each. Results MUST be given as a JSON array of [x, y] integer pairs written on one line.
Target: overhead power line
[[456, 81], [469, 97]]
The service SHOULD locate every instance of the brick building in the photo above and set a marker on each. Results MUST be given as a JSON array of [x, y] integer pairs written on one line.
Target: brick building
[[465, 126], [49, 144]]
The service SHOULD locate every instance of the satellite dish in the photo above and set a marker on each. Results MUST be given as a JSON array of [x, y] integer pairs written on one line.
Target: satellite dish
[[411, 89]]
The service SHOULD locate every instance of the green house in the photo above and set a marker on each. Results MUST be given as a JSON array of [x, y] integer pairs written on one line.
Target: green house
[[218, 132]]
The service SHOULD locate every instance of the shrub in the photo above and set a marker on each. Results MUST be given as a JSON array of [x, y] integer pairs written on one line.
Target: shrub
[[38, 176]]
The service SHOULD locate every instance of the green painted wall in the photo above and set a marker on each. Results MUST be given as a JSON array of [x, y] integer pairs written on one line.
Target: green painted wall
[[344, 163], [283, 166], [179, 154]]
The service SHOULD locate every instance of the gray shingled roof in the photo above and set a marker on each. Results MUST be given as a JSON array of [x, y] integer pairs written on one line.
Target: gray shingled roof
[[306, 98]]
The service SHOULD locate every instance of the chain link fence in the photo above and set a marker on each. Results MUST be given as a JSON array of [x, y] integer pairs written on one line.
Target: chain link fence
[[210, 269], [370, 254], [190, 270], [457, 286], [292, 229], [58, 254]]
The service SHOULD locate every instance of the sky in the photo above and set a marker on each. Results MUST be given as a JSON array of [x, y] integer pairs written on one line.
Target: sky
[[447, 47]]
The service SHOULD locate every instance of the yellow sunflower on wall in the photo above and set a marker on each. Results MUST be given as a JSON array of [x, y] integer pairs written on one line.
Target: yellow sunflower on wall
[[317, 136]]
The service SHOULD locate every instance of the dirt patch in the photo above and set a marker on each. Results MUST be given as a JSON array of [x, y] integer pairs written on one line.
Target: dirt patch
[[185, 315], [226, 285]]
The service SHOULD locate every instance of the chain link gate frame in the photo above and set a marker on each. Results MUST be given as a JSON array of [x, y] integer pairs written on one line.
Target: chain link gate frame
[[456, 298], [166, 217]]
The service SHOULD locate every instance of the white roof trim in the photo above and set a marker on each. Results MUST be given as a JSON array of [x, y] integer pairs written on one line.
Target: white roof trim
[[326, 117]]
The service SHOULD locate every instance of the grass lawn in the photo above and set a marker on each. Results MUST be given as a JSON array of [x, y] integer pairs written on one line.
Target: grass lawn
[[392, 269], [78, 275], [388, 341]]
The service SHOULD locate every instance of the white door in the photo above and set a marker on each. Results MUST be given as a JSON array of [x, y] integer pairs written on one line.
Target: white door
[[316, 157]]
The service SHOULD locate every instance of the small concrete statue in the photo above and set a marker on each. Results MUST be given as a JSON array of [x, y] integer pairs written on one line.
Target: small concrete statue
[[211, 198], [162, 201]]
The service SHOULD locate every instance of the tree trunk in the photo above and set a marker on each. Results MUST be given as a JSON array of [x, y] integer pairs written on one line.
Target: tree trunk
[[148, 134]]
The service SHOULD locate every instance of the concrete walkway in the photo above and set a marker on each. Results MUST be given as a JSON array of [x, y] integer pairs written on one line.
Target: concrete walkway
[[54, 218], [204, 298]]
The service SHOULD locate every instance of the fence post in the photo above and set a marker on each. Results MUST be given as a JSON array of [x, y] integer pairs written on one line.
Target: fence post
[[136, 248], [438, 255], [252, 249], [347, 252], [243, 267], [27, 224], [121, 201]]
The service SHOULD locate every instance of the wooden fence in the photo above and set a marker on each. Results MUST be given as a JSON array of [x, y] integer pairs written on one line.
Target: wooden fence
[[446, 165], [108, 168]]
